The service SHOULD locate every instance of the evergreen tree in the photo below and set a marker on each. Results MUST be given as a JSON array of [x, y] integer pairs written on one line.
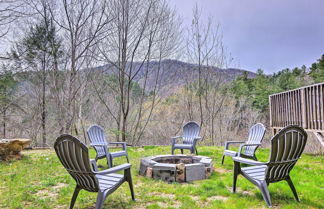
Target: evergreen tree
[[317, 70], [39, 51], [7, 88]]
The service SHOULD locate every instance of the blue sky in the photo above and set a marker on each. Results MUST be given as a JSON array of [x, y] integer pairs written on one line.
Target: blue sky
[[267, 34]]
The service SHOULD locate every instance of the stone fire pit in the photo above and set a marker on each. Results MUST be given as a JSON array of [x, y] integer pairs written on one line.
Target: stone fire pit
[[180, 168]]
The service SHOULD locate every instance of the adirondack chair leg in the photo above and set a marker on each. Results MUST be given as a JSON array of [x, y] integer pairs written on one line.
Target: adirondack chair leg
[[128, 176], [100, 199], [127, 158], [109, 161], [75, 195], [236, 173], [255, 158], [292, 187], [181, 151], [223, 159], [196, 151], [265, 193], [172, 151]]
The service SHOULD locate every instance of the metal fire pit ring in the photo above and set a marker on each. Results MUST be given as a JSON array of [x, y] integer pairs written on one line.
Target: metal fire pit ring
[[176, 168]]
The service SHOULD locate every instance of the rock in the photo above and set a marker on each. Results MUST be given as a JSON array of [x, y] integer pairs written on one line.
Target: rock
[[149, 172], [208, 172], [181, 174], [10, 148], [165, 172], [195, 171]]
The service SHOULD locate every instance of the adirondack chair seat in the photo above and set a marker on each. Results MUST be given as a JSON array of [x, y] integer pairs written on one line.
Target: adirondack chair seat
[[247, 148], [255, 173], [110, 181], [182, 146]]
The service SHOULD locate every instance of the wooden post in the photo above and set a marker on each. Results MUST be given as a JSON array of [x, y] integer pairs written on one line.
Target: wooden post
[[303, 108], [270, 110], [274, 131]]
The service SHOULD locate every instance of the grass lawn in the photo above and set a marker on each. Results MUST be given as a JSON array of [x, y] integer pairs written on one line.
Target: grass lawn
[[40, 181]]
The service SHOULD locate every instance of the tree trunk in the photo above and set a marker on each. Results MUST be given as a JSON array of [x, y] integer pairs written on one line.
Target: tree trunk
[[44, 108], [124, 128], [4, 122]]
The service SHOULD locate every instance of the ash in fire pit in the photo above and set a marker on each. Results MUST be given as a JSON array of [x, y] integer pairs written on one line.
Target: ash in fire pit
[[175, 160], [180, 168]]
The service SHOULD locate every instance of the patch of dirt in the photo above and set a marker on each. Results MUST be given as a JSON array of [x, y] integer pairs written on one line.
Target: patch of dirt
[[217, 197], [221, 170], [195, 198], [47, 193], [41, 152], [208, 201], [140, 150], [193, 184], [239, 190], [59, 186], [175, 204], [165, 195], [26, 204], [59, 206]]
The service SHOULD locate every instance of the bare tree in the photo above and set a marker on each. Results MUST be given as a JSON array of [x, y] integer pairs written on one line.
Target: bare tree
[[84, 23], [10, 12], [205, 48], [143, 31]]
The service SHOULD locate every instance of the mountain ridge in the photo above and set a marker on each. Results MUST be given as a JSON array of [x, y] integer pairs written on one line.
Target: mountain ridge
[[174, 73]]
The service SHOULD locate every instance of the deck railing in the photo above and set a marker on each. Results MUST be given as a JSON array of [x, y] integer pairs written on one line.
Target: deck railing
[[303, 106]]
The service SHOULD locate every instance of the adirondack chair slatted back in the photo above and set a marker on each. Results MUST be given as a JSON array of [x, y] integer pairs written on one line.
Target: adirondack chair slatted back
[[286, 148], [96, 135], [190, 132], [73, 154], [256, 134]]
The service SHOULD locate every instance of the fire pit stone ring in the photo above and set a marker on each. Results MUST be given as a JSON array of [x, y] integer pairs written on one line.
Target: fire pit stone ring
[[176, 168]]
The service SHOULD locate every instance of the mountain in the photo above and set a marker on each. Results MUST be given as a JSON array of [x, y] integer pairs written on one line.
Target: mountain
[[174, 74]]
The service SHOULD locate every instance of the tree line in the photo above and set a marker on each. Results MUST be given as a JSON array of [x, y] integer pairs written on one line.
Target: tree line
[[256, 90]]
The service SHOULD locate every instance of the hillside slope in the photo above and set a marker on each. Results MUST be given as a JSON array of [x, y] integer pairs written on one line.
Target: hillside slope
[[170, 74]]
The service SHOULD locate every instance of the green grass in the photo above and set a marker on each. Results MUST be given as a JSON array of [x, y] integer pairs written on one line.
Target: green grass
[[40, 181]]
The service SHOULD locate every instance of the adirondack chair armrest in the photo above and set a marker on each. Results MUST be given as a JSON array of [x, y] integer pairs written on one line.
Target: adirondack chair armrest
[[248, 161], [115, 169], [227, 143], [173, 139], [94, 164], [196, 139], [246, 145], [99, 145], [121, 143]]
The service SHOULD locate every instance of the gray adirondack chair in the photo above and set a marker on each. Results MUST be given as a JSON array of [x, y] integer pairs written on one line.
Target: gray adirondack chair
[[74, 156], [97, 139], [190, 137], [248, 148], [286, 148]]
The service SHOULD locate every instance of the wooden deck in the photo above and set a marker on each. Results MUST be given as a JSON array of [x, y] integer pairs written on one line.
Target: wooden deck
[[303, 106]]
